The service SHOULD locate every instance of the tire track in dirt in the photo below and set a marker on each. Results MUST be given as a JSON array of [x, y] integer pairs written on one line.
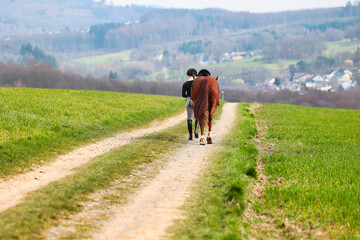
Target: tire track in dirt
[[14, 190], [154, 206]]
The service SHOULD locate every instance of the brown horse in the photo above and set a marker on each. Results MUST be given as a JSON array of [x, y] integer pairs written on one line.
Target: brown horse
[[205, 94]]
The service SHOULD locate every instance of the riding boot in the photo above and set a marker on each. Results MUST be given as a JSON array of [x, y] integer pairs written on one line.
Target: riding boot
[[189, 122], [196, 128]]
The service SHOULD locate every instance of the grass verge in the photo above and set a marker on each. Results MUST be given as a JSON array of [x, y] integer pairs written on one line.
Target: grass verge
[[38, 124], [44, 208], [215, 208], [314, 168]]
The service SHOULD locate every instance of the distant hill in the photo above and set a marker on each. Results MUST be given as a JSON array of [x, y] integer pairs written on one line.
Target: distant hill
[[25, 17]]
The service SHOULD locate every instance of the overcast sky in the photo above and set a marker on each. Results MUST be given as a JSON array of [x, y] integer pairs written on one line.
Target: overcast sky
[[239, 5]]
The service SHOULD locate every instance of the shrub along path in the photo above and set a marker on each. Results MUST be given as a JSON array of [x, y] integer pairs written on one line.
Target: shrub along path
[[13, 190]]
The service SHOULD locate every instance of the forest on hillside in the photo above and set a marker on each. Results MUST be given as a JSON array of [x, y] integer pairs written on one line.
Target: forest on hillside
[[147, 44], [28, 17], [156, 26]]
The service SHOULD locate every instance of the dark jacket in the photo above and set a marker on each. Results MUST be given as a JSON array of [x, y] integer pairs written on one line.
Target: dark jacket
[[186, 89]]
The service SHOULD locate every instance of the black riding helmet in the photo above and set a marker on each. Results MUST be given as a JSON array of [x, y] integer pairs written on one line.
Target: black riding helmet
[[204, 72], [191, 72]]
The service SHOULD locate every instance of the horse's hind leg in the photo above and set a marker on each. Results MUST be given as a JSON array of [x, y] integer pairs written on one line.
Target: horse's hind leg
[[196, 128], [202, 140], [212, 110], [209, 139], [202, 126]]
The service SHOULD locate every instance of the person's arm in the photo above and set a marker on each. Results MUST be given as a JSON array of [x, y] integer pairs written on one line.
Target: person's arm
[[184, 91]]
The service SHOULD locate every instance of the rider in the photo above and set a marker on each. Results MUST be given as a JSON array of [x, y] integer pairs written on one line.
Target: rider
[[186, 93]]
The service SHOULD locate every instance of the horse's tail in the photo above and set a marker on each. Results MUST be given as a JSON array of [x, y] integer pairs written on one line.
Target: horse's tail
[[201, 105]]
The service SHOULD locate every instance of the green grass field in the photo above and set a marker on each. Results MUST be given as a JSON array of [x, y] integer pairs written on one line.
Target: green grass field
[[106, 58], [315, 165], [38, 124], [229, 68], [257, 62], [344, 45]]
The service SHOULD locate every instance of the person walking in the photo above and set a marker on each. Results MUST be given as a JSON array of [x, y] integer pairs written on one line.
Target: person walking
[[186, 93]]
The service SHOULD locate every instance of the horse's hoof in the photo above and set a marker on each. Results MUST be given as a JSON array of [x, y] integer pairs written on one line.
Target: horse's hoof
[[196, 135], [209, 140], [202, 141]]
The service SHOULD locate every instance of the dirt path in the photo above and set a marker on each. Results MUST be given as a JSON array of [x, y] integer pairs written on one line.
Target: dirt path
[[154, 206], [13, 190]]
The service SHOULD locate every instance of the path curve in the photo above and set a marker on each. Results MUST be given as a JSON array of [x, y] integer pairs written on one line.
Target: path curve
[[13, 191], [154, 206]]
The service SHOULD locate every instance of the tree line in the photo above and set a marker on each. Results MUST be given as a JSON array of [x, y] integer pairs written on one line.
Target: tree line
[[28, 53], [41, 75], [167, 25], [45, 76]]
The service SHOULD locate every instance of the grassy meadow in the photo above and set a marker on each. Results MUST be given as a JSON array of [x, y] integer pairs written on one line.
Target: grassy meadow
[[105, 58], [229, 69], [276, 66], [344, 45], [314, 167], [38, 124]]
